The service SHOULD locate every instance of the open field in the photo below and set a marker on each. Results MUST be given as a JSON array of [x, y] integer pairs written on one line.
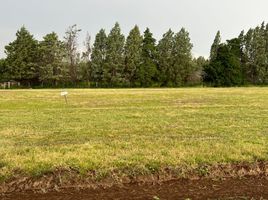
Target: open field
[[131, 131]]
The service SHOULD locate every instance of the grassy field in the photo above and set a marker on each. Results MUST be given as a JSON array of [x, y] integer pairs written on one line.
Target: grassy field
[[131, 130]]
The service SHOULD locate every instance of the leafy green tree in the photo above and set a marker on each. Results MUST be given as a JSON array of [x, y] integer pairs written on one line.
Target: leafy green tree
[[51, 67], [225, 69], [72, 54], [87, 52], [266, 53], [133, 51], [98, 57], [256, 55], [22, 58], [196, 77], [114, 65], [147, 71], [165, 58], [261, 61], [215, 46], [249, 68], [183, 65], [85, 64], [243, 56], [3, 70]]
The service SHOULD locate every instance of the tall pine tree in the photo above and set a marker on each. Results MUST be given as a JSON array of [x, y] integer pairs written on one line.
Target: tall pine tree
[[98, 57], [165, 58], [183, 66], [133, 52], [114, 65], [22, 58], [147, 71], [51, 67], [215, 46]]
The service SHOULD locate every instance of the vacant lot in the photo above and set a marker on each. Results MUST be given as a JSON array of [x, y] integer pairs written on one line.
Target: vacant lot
[[130, 131]]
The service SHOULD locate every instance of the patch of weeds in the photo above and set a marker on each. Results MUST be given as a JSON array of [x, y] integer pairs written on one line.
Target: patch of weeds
[[73, 165], [153, 167], [85, 167], [164, 153], [100, 175], [120, 164], [2, 164], [23, 151], [203, 170], [40, 169], [2, 178]]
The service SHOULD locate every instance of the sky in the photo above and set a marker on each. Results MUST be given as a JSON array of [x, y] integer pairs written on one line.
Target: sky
[[202, 18]]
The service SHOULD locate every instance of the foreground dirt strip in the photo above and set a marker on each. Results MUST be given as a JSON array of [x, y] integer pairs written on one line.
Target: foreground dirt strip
[[235, 181], [244, 188]]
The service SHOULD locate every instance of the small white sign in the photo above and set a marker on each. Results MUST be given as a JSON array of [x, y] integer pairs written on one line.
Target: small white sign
[[63, 93]]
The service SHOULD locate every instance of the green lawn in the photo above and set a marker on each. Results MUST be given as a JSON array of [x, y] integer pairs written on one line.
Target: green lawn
[[131, 130]]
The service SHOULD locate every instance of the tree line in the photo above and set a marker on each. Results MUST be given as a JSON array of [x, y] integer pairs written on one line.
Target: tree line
[[239, 61], [138, 60]]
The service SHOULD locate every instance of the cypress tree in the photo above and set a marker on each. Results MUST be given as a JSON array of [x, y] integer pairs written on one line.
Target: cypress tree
[[165, 58], [183, 65], [133, 52], [215, 46], [148, 70], [261, 56], [98, 57], [249, 68], [114, 65], [255, 49]]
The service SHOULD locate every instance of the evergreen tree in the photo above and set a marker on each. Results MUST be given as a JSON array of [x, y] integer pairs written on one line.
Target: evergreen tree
[[98, 57], [183, 65], [3, 70], [147, 71], [249, 68], [22, 58], [225, 69], [266, 53], [255, 50], [133, 52], [260, 52], [114, 65], [215, 46], [51, 67], [165, 58]]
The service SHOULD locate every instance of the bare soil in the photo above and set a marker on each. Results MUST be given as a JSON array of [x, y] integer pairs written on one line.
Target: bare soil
[[229, 181], [230, 188]]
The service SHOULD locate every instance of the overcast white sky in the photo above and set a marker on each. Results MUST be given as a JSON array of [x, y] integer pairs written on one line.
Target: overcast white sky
[[202, 18]]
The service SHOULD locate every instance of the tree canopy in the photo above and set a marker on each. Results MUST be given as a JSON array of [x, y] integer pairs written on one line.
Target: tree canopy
[[137, 60]]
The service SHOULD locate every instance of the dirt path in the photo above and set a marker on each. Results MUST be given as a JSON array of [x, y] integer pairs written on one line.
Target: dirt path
[[246, 188]]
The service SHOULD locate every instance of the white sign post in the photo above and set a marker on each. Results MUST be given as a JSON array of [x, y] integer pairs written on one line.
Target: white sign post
[[64, 93]]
